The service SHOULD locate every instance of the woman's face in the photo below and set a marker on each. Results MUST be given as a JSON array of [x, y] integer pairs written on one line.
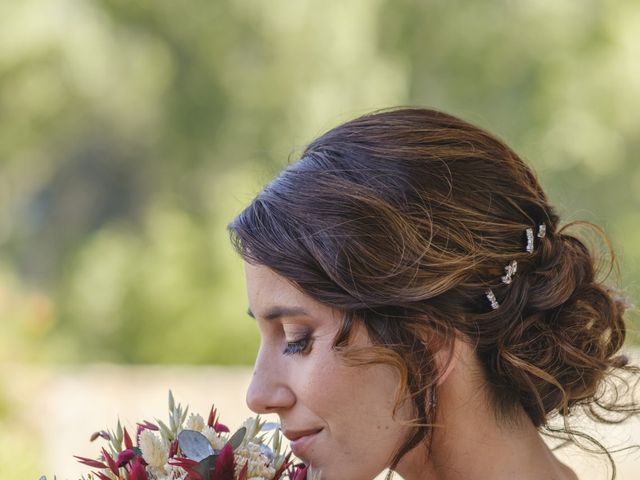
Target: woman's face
[[341, 414]]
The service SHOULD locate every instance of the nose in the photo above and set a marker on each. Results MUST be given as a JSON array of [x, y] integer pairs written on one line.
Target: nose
[[269, 391]]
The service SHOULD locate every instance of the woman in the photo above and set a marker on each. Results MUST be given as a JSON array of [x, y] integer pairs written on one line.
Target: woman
[[421, 308]]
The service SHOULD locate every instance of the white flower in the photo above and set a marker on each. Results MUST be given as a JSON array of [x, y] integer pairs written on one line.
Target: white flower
[[252, 426], [259, 463], [170, 472], [153, 449], [195, 422], [215, 441]]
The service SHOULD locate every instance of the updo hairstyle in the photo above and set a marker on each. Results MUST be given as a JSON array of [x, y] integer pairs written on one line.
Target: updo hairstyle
[[403, 219]]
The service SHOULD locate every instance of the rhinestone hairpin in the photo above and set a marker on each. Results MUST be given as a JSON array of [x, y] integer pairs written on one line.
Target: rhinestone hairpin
[[510, 271], [529, 246], [492, 299], [542, 230]]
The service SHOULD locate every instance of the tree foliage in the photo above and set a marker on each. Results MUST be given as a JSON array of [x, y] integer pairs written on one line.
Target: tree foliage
[[131, 132]]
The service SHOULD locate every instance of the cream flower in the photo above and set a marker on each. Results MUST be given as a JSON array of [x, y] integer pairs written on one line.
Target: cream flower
[[194, 422], [252, 425], [215, 441], [259, 463], [170, 472], [153, 449]]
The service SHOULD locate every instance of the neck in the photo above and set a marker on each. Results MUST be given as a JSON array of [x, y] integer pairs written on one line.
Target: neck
[[470, 443]]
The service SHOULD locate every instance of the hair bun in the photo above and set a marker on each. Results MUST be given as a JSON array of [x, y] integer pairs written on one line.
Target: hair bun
[[572, 328]]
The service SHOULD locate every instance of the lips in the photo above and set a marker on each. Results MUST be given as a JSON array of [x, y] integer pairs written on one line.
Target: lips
[[293, 435], [301, 440]]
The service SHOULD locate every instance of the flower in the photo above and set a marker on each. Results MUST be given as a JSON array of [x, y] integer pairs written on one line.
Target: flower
[[125, 457], [187, 448], [259, 465], [137, 470], [214, 438], [213, 422], [153, 451], [195, 422], [225, 465]]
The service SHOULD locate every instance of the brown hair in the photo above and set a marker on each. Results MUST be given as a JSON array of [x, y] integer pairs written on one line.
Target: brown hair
[[402, 219]]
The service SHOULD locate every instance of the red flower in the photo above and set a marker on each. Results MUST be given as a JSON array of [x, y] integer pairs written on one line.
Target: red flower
[[101, 476], [111, 462], [225, 464], [127, 439], [145, 426], [219, 427], [212, 417], [285, 465], [173, 449], [213, 422], [245, 471], [300, 472], [125, 457], [90, 462], [137, 470], [188, 466]]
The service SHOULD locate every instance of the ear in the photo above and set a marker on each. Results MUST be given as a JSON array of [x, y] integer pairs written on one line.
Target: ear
[[446, 357]]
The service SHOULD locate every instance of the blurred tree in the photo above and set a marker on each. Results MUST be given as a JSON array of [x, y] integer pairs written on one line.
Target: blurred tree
[[558, 80], [131, 132]]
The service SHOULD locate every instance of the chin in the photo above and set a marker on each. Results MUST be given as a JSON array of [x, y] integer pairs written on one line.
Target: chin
[[350, 471]]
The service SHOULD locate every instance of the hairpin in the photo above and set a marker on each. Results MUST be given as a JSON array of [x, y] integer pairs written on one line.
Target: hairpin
[[492, 299], [529, 247], [510, 271], [542, 230]]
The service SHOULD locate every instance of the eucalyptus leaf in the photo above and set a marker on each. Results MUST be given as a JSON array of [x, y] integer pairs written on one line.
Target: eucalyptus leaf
[[195, 445], [206, 465], [236, 438]]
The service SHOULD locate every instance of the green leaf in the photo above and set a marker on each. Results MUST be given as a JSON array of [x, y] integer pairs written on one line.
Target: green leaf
[[236, 438], [184, 415], [172, 403], [166, 431], [206, 465], [194, 445]]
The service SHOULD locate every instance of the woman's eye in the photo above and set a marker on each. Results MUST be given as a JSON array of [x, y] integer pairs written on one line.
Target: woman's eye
[[297, 346]]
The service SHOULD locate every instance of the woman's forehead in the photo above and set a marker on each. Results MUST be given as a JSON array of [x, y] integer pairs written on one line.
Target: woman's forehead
[[271, 296]]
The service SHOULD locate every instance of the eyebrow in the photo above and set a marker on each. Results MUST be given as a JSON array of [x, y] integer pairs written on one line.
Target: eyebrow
[[280, 311]]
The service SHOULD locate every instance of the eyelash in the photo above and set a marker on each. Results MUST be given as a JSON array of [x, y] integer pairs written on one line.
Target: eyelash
[[298, 347]]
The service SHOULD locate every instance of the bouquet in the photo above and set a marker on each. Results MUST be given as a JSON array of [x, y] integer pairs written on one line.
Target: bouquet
[[188, 448]]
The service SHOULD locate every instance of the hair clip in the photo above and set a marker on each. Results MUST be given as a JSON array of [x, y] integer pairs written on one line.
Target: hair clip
[[510, 271], [492, 299], [529, 247], [542, 230]]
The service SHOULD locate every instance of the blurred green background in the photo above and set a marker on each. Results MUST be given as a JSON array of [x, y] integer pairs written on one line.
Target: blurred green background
[[131, 132]]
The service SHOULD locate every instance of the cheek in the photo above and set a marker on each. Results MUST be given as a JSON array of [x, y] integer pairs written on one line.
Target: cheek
[[353, 401], [356, 405], [321, 385]]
